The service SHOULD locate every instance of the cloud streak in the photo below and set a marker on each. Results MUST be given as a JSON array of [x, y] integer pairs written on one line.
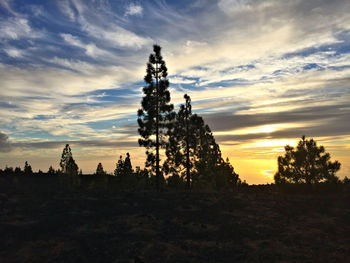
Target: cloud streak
[[4, 143]]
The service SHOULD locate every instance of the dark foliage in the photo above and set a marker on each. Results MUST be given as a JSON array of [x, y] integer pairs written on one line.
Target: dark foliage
[[308, 163], [67, 162], [123, 167], [18, 171], [181, 149], [99, 170], [194, 156], [27, 169], [51, 171], [155, 114]]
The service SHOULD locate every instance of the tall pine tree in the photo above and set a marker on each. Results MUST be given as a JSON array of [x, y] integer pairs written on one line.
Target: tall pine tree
[[156, 113]]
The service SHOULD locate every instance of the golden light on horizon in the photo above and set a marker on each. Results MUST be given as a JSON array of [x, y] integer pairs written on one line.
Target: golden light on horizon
[[268, 128], [272, 143]]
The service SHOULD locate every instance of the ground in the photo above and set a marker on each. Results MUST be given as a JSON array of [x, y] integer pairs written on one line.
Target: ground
[[46, 220]]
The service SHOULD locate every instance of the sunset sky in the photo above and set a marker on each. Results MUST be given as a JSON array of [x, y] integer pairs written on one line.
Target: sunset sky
[[261, 73]]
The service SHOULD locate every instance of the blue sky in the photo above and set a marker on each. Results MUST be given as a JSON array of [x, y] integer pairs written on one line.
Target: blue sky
[[261, 73]]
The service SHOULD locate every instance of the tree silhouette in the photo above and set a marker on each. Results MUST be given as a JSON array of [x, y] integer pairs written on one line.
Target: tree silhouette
[[66, 155], [123, 167], [8, 170], [127, 165], [226, 177], [156, 113], [119, 169], [193, 154], [308, 163], [99, 170], [27, 169], [51, 171], [18, 171], [208, 157], [67, 162], [183, 142]]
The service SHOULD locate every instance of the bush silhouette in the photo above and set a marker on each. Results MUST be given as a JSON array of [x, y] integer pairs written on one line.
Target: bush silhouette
[[307, 163]]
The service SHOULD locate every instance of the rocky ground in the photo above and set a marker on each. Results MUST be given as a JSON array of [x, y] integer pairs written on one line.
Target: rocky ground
[[44, 220]]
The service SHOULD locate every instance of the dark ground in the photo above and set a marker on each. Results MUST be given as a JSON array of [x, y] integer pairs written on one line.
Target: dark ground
[[43, 220]]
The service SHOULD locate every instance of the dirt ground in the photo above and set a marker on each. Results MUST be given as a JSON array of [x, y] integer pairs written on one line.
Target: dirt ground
[[44, 220]]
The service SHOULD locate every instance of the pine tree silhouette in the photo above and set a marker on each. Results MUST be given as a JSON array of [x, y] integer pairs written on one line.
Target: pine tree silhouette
[[156, 112], [307, 163]]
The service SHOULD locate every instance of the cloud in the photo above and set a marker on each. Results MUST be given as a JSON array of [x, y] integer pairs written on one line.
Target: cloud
[[15, 28], [90, 49], [104, 27], [116, 35], [133, 10], [329, 115], [76, 143], [66, 9], [14, 52], [4, 143], [6, 4], [235, 6]]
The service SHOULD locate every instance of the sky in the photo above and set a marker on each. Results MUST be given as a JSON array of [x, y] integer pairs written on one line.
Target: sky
[[261, 73]]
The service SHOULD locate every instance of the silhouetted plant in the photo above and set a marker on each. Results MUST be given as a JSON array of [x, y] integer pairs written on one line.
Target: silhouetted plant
[[123, 167], [176, 182], [226, 177], [307, 163], [346, 184], [99, 170], [127, 177], [156, 112], [127, 165], [18, 171], [182, 142], [27, 169], [8, 170], [346, 180], [51, 171], [181, 151], [193, 155], [67, 162]]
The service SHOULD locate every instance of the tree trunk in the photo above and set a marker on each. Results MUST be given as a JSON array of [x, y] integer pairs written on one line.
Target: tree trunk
[[187, 153], [157, 133]]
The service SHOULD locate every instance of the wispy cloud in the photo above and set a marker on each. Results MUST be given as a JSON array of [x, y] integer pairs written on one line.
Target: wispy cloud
[[90, 48], [6, 4], [14, 52], [133, 10], [15, 28], [66, 8], [4, 143]]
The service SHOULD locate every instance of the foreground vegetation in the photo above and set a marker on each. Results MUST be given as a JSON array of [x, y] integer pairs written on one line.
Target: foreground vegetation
[[54, 219]]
